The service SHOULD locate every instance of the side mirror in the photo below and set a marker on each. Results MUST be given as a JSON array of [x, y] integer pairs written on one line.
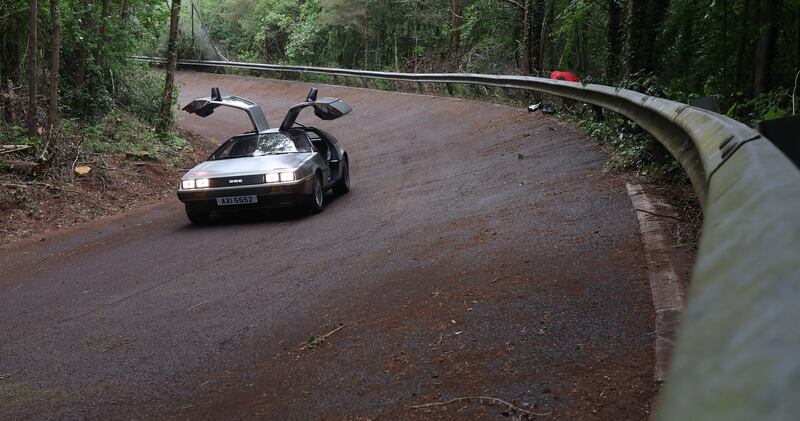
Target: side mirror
[[312, 95], [215, 95]]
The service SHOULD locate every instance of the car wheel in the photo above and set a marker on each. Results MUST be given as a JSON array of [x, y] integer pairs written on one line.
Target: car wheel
[[197, 217], [343, 185], [316, 200]]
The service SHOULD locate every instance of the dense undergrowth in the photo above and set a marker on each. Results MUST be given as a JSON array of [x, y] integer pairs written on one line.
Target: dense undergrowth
[[122, 123]]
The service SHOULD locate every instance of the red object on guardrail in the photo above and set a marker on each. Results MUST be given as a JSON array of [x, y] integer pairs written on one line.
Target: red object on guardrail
[[568, 76]]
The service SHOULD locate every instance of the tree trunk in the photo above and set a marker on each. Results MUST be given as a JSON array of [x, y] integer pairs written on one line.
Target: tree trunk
[[614, 41], [164, 125], [547, 25], [55, 62], [191, 13], [33, 51], [366, 34], [266, 45], [725, 52], [103, 31], [124, 13], [797, 42], [526, 37], [637, 14], [83, 55], [655, 16], [583, 49], [741, 56], [537, 16], [22, 167], [767, 45], [455, 35]]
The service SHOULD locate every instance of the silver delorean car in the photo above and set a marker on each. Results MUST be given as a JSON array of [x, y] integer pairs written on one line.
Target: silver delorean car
[[293, 165]]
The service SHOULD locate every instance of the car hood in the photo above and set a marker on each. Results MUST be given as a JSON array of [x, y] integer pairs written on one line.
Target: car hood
[[246, 166]]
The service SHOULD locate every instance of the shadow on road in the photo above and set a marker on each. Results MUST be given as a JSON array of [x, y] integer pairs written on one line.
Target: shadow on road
[[261, 216]]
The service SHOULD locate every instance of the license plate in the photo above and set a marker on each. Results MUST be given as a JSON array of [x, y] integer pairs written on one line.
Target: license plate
[[236, 200]]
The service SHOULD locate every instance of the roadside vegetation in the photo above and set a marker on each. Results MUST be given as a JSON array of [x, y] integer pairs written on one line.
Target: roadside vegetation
[[83, 130]]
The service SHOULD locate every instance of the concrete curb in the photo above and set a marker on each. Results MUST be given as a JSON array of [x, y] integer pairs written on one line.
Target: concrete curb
[[665, 284]]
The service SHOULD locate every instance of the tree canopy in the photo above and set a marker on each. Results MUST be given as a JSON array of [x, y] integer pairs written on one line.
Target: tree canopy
[[721, 47], [737, 50]]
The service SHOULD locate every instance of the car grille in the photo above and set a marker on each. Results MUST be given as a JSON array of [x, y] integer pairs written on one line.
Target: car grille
[[246, 180]]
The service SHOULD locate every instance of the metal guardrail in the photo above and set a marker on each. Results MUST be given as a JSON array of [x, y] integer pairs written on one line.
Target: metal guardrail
[[738, 350]]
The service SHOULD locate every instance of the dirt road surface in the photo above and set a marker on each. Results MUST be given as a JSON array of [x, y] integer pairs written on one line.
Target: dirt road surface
[[481, 252]]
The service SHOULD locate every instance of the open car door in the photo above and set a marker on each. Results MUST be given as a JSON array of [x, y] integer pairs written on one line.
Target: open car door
[[204, 107], [324, 108]]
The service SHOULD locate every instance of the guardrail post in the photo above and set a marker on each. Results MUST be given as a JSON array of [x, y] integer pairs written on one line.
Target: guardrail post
[[476, 92], [449, 88]]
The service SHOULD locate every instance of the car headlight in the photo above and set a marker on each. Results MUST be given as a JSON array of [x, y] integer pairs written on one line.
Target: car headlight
[[283, 176], [199, 183]]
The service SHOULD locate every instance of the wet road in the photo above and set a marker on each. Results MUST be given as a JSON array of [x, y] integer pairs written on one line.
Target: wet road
[[456, 268]]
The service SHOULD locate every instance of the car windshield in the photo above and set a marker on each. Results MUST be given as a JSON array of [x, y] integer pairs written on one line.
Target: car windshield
[[263, 144]]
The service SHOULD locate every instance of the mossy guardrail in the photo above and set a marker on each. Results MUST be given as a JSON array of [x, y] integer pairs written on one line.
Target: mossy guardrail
[[738, 349]]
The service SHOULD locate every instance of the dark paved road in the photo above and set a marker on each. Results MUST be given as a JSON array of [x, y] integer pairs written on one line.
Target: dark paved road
[[456, 268]]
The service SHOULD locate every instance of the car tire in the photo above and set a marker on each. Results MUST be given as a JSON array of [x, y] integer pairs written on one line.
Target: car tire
[[197, 217], [342, 186], [315, 202]]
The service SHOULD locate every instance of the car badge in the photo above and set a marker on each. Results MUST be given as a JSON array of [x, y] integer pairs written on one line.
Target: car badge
[[235, 180]]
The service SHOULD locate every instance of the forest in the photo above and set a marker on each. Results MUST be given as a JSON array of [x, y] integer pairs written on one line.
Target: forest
[[65, 75], [65, 70], [744, 52]]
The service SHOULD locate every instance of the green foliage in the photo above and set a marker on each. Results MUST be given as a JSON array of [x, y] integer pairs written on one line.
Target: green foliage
[[492, 46], [581, 49], [107, 103], [120, 132], [314, 341], [631, 148], [15, 135], [766, 106], [306, 38], [140, 93], [106, 65], [703, 47]]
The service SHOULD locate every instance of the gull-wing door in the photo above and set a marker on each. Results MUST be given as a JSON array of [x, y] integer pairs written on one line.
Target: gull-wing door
[[324, 108], [204, 107]]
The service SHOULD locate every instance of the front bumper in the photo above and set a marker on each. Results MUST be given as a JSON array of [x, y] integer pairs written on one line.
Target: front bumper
[[268, 195]]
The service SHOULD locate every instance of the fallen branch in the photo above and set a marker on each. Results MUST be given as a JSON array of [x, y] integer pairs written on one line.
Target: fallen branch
[[482, 399], [22, 167], [315, 341], [4, 149], [105, 164], [659, 214]]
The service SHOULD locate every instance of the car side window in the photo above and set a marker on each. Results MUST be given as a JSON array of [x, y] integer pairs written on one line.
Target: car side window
[[223, 150]]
